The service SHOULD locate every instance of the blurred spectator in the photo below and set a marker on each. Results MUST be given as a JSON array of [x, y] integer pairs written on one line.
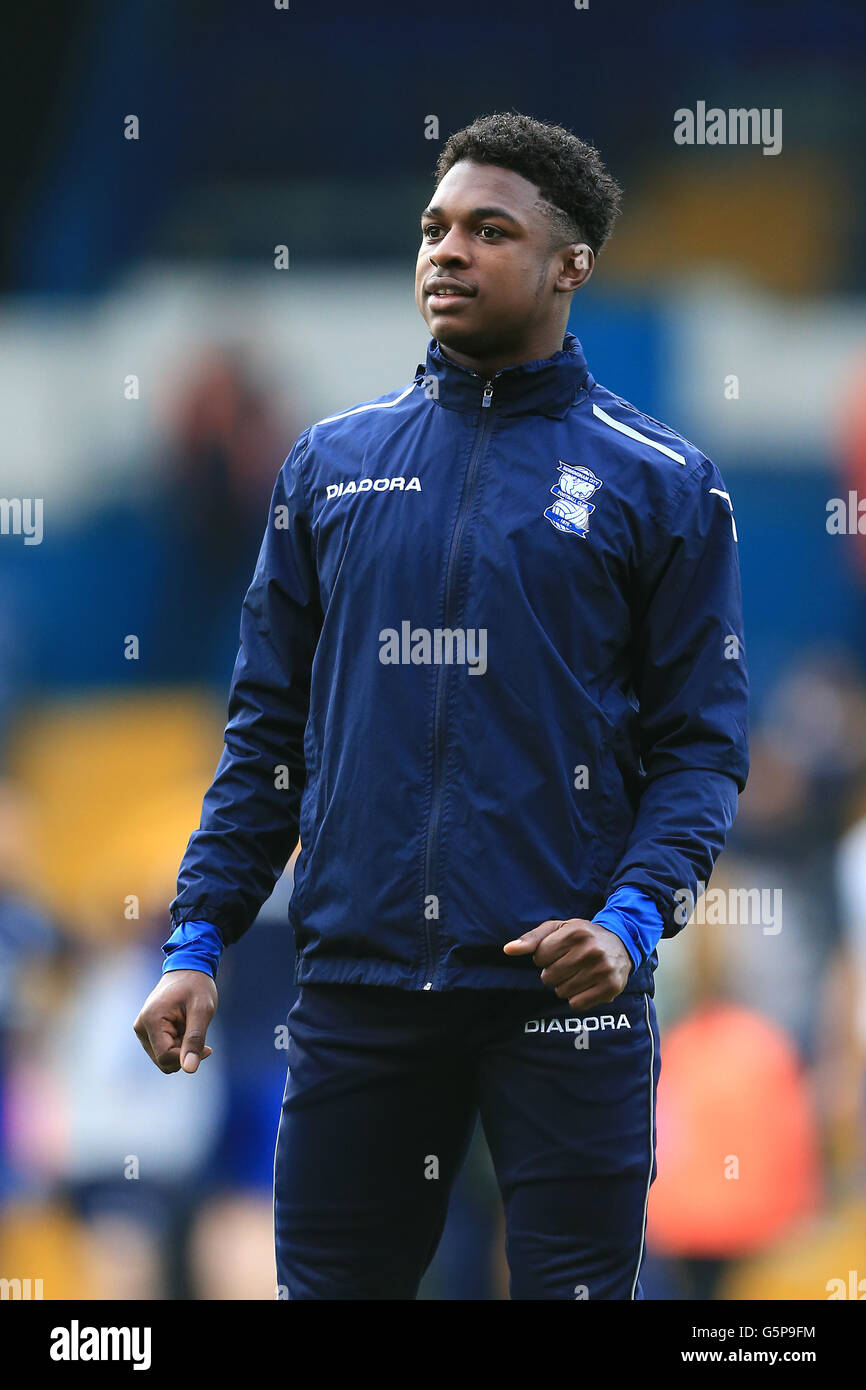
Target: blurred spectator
[[225, 444], [737, 1144], [90, 1118]]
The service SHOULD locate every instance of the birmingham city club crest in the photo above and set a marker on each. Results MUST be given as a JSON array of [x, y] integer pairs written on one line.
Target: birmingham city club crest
[[572, 508]]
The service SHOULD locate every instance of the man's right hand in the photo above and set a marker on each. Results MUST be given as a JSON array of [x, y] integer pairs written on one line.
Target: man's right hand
[[175, 1018]]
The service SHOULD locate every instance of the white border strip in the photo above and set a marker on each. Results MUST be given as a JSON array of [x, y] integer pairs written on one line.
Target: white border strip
[[633, 434]]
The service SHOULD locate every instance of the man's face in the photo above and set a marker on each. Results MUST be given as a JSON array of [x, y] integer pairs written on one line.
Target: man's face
[[483, 228]]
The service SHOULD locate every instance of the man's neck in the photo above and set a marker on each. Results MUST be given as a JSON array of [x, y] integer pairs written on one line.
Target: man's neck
[[488, 366]]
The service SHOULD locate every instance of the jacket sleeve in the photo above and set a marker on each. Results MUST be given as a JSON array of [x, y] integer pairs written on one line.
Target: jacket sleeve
[[691, 682], [250, 813]]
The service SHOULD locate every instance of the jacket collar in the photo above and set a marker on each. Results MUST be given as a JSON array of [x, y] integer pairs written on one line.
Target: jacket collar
[[549, 386]]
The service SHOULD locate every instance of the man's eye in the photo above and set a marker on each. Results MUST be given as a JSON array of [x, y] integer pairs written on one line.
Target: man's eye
[[432, 228], [496, 230]]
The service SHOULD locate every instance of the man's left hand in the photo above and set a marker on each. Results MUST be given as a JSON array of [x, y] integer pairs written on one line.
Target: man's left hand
[[582, 961]]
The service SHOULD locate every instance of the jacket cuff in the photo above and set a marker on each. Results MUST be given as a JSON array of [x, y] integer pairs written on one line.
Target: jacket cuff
[[635, 919], [193, 946]]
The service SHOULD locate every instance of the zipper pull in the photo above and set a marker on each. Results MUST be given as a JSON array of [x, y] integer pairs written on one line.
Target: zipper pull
[[488, 393]]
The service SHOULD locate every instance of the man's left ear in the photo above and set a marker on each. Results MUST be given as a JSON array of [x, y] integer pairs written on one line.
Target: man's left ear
[[578, 266]]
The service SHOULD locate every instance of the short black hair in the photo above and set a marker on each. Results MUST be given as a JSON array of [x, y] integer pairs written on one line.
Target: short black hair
[[579, 196]]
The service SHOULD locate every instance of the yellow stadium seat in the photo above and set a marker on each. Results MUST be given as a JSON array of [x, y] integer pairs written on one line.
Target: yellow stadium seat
[[115, 785]]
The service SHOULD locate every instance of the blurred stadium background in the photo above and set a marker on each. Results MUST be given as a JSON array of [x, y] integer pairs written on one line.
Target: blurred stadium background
[[155, 368]]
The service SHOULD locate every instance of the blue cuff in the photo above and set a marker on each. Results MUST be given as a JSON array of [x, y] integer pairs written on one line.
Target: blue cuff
[[193, 946], [635, 919]]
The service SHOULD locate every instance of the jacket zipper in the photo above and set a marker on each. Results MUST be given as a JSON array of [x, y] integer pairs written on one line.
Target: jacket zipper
[[439, 704]]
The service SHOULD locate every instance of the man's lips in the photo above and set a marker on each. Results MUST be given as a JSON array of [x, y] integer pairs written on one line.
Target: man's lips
[[444, 291]]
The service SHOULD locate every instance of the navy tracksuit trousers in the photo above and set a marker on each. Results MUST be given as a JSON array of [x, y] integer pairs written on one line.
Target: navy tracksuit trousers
[[382, 1093]]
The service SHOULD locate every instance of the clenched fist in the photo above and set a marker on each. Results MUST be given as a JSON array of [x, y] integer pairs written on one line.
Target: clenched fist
[[583, 961], [175, 1018]]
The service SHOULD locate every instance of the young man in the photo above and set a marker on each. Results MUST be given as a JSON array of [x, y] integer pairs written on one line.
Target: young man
[[491, 672]]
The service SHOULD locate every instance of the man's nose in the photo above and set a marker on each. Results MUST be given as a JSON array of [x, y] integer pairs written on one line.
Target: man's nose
[[450, 248]]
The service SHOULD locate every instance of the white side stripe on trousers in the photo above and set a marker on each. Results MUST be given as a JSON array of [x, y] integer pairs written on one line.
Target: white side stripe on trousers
[[651, 1155]]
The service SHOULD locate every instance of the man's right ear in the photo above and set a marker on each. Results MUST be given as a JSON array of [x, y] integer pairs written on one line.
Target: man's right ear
[[580, 264]]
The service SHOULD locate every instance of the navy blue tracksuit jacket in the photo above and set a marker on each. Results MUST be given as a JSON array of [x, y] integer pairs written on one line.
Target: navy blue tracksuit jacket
[[572, 564], [491, 672]]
